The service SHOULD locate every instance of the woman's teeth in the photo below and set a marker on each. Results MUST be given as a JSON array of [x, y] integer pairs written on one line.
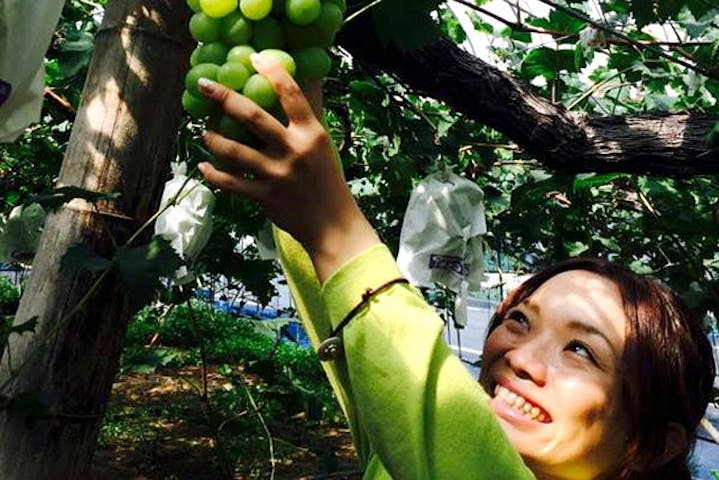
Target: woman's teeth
[[520, 404]]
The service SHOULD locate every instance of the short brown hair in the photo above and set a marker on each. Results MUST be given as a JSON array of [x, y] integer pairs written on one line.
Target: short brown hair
[[667, 365]]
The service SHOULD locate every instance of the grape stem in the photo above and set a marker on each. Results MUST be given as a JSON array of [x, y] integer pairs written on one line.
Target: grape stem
[[361, 11]]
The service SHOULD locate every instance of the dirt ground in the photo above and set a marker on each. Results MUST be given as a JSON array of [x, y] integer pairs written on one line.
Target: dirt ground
[[158, 431]]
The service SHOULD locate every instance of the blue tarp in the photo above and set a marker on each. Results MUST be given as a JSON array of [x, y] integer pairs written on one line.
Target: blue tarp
[[292, 331]]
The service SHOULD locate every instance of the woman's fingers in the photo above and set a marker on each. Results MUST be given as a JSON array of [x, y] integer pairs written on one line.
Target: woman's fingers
[[314, 94], [230, 182], [244, 110], [237, 155], [293, 101]]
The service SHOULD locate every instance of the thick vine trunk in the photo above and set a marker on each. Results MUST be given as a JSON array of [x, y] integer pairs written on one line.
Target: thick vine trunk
[[122, 141], [670, 144]]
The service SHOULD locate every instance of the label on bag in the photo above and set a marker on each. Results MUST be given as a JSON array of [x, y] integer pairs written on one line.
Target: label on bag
[[448, 262]]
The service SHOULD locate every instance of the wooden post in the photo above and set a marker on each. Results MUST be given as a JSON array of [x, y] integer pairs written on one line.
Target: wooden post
[[122, 141]]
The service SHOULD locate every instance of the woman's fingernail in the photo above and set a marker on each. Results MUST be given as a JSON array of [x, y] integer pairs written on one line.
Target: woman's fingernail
[[202, 167], [206, 84], [256, 58]]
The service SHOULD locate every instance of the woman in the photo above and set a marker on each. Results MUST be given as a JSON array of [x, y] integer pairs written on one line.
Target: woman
[[589, 371]]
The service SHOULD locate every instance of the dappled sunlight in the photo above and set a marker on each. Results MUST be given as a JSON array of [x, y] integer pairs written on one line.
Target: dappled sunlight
[[156, 429], [136, 65]]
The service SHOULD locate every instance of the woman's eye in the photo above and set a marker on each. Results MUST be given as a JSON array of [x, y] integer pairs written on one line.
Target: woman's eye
[[581, 349], [517, 317]]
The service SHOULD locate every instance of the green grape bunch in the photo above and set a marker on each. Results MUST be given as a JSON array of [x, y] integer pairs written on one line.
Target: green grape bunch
[[297, 33]]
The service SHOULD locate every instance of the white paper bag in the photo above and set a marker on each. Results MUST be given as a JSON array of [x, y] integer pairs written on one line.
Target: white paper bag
[[26, 27], [187, 225], [20, 233], [441, 238]]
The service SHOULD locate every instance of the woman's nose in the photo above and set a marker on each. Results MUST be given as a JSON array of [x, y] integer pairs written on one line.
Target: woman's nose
[[529, 361]]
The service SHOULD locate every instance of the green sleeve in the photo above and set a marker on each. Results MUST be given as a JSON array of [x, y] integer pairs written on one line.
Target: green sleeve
[[414, 408], [305, 290]]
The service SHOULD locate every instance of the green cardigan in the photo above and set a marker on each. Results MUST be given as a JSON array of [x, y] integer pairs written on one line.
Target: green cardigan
[[414, 410]]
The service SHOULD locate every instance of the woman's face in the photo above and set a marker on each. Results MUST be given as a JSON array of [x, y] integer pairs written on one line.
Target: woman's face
[[552, 369]]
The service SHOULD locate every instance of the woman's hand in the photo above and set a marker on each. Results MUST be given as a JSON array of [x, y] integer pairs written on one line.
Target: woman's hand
[[296, 178]]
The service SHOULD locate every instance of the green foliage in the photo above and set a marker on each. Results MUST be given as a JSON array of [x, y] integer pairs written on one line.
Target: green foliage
[[646, 12], [294, 378], [390, 137], [141, 268], [84, 257], [408, 25], [9, 296], [550, 63]]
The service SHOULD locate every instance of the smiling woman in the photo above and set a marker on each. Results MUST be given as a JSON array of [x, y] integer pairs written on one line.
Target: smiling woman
[[594, 373], [610, 354]]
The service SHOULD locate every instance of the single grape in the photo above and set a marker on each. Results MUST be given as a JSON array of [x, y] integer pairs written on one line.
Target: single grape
[[303, 12], [241, 54], [259, 90], [330, 19], [312, 63], [218, 8], [256, 9], [230, 128], [340, 3], [207, 70], [235, 29], [283, 57], [268, 34], [193, 57], [297, 36], [194, 5], [204, 28], [197, 106], [214, 52], [303, 36], [233, 75]]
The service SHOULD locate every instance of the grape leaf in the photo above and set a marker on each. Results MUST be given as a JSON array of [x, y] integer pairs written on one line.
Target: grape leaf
[[646, 12], [559, 20], [667, 9], [84, 257], [584, 182], [700, 7], [548, 62], [408, 25], [643, 12], [141, 269], [76, 52], [479, 24], [26, 326], [574, 249], [451, 26]]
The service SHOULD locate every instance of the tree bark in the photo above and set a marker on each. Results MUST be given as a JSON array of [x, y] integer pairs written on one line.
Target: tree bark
[[122, 141], [659, 144]]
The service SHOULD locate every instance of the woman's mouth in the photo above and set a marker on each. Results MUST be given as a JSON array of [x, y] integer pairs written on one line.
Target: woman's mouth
[[521, 404]]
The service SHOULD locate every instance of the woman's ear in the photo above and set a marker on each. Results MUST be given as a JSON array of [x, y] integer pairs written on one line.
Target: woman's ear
[[674, 443]]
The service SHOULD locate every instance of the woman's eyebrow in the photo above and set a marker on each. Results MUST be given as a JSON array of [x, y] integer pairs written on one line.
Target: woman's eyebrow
[[529, 304], [592, 330]]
